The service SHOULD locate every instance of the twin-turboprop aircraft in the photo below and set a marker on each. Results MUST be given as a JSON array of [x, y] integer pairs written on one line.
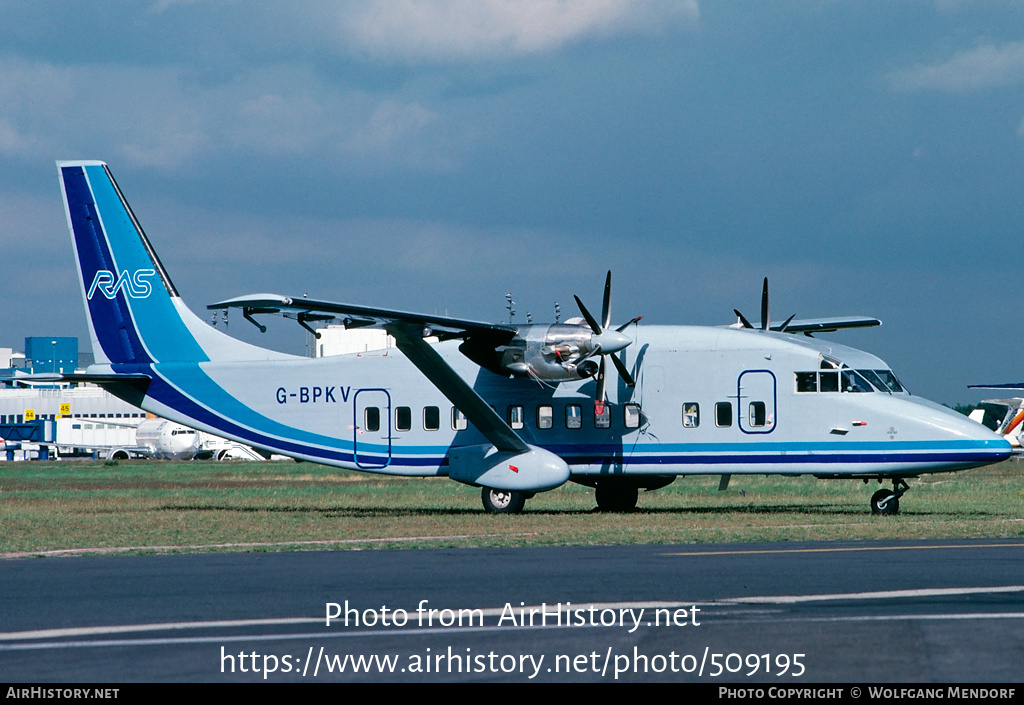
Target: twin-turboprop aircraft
[[512, 409]]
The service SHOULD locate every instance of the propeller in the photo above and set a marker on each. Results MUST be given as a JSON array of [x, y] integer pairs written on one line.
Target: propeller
[[606, 342], [765, 319]]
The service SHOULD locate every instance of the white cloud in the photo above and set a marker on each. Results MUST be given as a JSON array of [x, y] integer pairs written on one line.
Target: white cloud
[[985, 66], [458, 29], [156, 117], [12, 141]]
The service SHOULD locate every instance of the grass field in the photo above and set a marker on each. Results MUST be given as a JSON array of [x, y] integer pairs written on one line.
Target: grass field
[[149, 506]]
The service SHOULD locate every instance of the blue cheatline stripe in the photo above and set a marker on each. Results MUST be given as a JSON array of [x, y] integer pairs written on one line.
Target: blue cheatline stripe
[[157, 324], [167, 394], [250, 427], [995, 445], [760, 458], [267, 433], [111, 318]]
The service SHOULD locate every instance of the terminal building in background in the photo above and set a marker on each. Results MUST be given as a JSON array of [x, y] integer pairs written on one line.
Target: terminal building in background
[[84, 419], [52, 401]]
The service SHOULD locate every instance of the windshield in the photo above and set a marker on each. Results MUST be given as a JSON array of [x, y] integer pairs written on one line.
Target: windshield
[[884, 380], [853, 382]]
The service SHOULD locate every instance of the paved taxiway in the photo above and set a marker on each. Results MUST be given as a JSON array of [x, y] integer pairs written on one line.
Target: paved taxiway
[[931, 611]]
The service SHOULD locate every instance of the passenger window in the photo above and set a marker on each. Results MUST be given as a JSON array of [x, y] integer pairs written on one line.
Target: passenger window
[[604, 419], [403, 418], [631, 415], [573, 416], [545, 416], [691, 414], [723, 414], [431, 418], [371, 419], [757, 413], [515, 417], [459, 422], [806, 381]]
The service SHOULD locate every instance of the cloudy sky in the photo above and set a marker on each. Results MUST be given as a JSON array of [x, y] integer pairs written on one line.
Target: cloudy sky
[[868, 157]]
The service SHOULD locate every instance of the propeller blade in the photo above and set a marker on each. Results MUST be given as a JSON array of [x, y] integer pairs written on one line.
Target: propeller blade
[[786, 324], [624, 326], [606, 306], [623, 372], [743, 320], [590, 319], [599, 396], [764, 306]]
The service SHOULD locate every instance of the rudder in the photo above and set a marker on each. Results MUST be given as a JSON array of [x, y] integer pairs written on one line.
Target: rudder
[[133, 308]]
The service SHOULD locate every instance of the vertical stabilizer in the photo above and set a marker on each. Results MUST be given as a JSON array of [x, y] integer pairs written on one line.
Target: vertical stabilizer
[[135, 314]]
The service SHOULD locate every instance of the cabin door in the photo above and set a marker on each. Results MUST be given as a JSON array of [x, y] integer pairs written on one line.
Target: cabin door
[[757, 401], [371, 428]]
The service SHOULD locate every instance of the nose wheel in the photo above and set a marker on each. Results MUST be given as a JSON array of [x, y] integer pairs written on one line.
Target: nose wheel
[[887, 502]]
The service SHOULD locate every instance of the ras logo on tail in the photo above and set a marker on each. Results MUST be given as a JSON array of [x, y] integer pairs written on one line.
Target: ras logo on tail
[[134, 284]]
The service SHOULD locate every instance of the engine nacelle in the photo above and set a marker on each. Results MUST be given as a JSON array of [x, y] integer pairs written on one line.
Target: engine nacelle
[[536, 470], [554, 353], [588, 368]]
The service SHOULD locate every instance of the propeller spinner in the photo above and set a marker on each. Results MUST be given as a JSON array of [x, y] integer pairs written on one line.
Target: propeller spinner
[[607, 341]]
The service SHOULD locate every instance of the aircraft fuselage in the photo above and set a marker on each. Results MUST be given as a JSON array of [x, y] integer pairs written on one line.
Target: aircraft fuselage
[[707, 401]]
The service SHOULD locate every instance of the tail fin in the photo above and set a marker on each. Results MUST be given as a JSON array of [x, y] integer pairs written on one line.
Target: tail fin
[[135, 314]]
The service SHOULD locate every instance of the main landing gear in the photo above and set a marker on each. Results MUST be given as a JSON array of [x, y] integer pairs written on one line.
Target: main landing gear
[[887, 502], [616, 497], [503, 501]]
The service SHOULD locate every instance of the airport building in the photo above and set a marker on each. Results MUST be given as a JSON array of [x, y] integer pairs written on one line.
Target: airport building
[[20, 404], [51, 419]]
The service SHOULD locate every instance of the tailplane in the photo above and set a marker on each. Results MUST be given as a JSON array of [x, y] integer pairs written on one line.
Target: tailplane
[[135, 314]]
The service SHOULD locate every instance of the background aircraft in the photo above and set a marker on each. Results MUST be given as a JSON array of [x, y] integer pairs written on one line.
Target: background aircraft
[[511, 409], [159, 439]]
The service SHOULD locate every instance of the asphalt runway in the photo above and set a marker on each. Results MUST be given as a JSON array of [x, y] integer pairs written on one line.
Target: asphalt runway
[[784, 614]]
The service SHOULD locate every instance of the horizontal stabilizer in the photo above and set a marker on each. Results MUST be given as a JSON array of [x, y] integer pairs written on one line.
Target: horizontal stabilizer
[[78, 377]]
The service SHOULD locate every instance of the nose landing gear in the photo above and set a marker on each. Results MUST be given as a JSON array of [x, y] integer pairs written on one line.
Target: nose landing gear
[[887, 502]]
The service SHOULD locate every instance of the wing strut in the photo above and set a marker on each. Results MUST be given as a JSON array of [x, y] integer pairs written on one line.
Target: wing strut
[[494, 428]]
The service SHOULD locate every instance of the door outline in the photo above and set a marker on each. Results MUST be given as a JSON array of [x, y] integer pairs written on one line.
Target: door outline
[[759, 382], [371, 460]]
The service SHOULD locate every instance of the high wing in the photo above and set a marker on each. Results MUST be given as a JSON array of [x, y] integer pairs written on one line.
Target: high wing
[[826, 325], [544, 352], [409, 330], [1008, 385], [354, 316], [805, 326]]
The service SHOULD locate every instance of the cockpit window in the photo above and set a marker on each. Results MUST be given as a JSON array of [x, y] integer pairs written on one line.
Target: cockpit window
[[828, 382], [844, 380], [890, 381], [870, 376], [853, 382], [806, 381]]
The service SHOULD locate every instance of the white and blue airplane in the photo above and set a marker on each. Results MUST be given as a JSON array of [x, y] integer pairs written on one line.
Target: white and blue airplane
[[511, 409]]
